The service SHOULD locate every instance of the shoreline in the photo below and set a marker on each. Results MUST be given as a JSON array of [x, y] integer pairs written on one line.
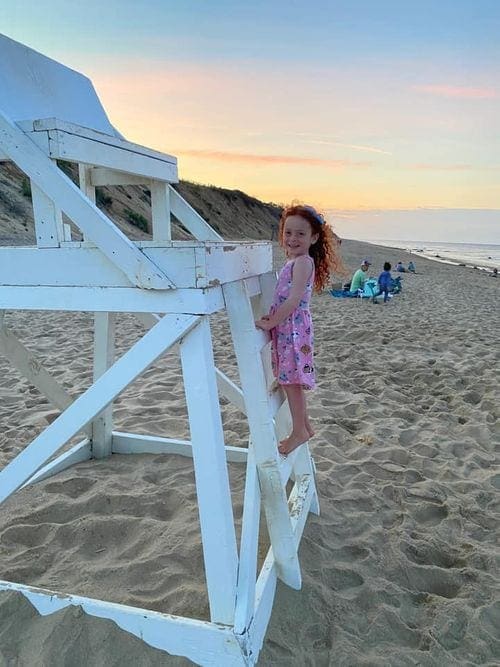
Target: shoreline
[[483, 265]]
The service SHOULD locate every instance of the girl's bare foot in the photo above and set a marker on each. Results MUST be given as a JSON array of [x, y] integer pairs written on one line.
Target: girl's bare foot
[[293, 441]]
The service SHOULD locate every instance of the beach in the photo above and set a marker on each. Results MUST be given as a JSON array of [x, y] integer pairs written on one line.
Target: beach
[[401, 567]]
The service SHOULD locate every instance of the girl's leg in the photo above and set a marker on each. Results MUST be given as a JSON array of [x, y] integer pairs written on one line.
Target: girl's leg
[[300, 433]]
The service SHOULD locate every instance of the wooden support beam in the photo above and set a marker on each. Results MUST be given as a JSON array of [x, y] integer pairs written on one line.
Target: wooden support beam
[[94, 400], [49, 229], [31, 368], [192, 220], [249, 546], [104, 356], [94, 224], [100, 176], [80, 452], [75, 147], [193, 264], [231, 391], [133, 443], [113, 299], [210, 469], [202, 642], [85, 182], [160, 211], [247, 344]]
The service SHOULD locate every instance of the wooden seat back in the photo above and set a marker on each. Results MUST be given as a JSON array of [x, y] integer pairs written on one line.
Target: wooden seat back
[[34, 87]]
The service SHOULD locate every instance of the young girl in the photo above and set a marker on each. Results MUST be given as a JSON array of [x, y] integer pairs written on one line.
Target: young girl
[[311, 250]]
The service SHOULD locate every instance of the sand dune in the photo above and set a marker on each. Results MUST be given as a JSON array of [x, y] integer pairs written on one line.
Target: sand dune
[[402, 566]]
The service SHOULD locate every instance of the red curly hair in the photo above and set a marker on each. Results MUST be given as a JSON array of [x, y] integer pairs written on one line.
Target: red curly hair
[[325, 252]]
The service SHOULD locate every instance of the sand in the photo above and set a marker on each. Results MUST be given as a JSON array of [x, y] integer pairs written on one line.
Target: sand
[[402, 566]]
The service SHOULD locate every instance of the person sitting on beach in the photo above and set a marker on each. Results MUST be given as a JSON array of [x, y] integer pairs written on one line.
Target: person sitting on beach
[[312, 253], [494, 273], [400, 267], [411, 267], [384, 281], [360, 277]]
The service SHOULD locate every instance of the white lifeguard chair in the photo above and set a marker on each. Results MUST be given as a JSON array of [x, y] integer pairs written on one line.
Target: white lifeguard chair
[[49, 112]]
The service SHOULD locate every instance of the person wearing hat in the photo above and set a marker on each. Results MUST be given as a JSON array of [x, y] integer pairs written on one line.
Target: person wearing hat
[[360, 276]]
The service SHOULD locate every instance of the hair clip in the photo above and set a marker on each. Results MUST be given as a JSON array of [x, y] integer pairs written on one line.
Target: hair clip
[[313, 212]]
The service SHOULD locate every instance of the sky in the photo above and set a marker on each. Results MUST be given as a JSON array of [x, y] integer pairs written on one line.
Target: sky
[[384, 114]]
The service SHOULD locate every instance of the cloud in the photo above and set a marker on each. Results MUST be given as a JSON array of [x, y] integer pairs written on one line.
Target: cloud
[[367, 149], [464, 92], [250, 158]]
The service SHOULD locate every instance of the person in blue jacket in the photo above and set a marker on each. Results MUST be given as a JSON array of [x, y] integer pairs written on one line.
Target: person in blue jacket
[[384, 281]]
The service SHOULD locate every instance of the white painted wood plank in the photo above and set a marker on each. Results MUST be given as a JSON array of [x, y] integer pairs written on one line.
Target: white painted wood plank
[[111, 139], [202, 642], [240, 261], [160, 211], [252, 286], [267, 284], [93, 400], [230, 390], [84, 265], [101, 176], [249, 546], [80, 452], [186, 214], [282, 416], [265, 355], [266, 581], [66, 196], [34, 86], [304, 465], [286, 466], [86, 186], [31, 368], [48, 219], [299, 503], [148, 320], [247, 344], [210, 468], [104, 356], [113, 299], [133, 443], [66, 233], [74, 148], [264, 596]]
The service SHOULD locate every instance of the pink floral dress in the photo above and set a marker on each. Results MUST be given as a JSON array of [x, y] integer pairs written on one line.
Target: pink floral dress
[[292, 340]]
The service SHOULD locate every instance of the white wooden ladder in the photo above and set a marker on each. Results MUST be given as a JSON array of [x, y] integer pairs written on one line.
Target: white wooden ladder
[[268, 420]]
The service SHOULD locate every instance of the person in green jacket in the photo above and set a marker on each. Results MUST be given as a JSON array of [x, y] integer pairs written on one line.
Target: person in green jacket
[[360, 276]]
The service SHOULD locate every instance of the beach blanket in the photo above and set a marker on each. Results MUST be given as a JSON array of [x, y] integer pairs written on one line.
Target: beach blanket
[[342, 293]]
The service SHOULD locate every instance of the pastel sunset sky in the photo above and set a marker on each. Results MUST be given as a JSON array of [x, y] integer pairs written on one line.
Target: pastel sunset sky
[[385, 114]]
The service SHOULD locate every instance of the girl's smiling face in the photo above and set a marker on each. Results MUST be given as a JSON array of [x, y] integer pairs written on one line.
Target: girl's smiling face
[[298, 236]]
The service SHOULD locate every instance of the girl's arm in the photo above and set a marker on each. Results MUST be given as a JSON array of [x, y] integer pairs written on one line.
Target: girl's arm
[[302, 269]]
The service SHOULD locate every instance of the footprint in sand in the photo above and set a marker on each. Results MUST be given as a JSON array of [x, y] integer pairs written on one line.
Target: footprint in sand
[[342, 580], [433, 554], [495, 481], [430, 515], [72, 488], [349, 553]]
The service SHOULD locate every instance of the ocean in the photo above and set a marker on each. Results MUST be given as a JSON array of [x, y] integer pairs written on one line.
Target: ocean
[[482, 255]]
